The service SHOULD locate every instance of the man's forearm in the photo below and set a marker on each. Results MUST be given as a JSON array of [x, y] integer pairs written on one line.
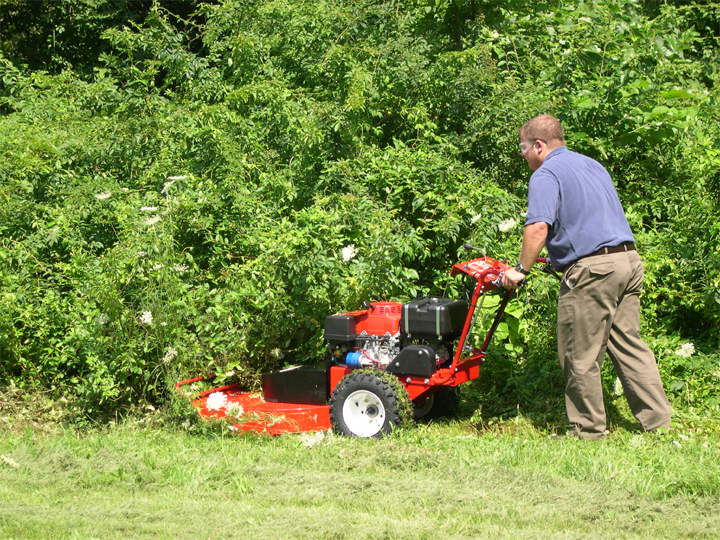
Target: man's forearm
[[534, 237]]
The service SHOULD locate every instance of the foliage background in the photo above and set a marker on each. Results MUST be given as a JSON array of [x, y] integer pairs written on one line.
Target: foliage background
[[178, 179]]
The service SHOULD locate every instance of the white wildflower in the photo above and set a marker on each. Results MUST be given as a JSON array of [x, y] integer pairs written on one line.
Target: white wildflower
[[234, 410], [183, 177], [687, 350], [506, 225], [141, 253], [475, 218], [10, 462], [677, 444], [349, 252], [152, 221], [163, 323], [180, 268], [158, 266], [716, 374], [103, 319], [277, 353], [637, 441], [618, 387], [168, 184], [169, 355], [216, 401], [102, 196], [146, 318], [148, 209], [312, 439]]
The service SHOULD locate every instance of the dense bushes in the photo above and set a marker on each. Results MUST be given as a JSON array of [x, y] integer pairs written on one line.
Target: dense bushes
[[220, 183]]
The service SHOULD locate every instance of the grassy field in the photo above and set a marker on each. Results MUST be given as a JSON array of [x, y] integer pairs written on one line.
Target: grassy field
[[443, 480]]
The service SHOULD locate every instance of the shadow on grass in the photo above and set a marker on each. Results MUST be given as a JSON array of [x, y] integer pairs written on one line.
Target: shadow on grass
[[544, 415]]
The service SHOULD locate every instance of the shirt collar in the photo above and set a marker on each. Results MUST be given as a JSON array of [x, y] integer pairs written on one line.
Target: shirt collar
[[555, 152]]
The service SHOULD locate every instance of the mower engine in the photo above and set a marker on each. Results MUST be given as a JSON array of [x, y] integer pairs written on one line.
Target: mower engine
[[405, 339]]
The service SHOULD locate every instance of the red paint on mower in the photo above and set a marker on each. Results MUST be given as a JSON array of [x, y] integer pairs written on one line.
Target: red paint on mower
[[259, 415]]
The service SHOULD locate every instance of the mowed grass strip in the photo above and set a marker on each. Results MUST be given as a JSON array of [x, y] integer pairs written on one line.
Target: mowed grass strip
[[432, 481]]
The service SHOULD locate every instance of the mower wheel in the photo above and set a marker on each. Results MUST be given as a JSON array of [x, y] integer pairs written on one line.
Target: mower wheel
[[422, 408], [445, 403], [369, 403]]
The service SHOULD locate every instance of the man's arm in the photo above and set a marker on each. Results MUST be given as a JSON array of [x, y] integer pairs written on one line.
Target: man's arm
[[534, 237]]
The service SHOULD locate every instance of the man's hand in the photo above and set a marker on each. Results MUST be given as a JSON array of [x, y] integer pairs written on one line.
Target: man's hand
[[534, 237], [512, 278]]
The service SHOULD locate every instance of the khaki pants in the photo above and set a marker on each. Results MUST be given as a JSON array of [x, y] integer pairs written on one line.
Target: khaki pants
[[599, 311]]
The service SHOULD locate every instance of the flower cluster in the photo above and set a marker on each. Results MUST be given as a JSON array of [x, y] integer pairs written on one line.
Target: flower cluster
[[313, 439], [169, 355], [234, 410], [507, 225], [349, 252], [146, 318], [687, 350], [10, 462], [216, 401]]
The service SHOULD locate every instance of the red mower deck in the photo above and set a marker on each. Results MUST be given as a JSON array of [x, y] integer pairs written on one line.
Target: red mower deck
[[259, 415]]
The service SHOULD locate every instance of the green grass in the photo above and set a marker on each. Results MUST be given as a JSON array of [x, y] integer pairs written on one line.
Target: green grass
[[431, 481]]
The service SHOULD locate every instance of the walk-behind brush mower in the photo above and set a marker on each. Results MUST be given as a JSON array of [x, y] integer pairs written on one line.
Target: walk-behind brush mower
[[388, 362]]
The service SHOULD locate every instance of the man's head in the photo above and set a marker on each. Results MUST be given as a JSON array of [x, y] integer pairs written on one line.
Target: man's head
[[538, 137]]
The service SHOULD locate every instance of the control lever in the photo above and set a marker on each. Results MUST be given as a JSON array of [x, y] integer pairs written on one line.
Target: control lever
[[547, 269]]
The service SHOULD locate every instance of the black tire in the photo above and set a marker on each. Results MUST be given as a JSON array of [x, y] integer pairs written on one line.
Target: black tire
[[422, 408], [369, 403], [445, 404]]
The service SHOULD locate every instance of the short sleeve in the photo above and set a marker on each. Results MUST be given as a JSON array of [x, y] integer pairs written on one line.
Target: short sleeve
[[543, 198]]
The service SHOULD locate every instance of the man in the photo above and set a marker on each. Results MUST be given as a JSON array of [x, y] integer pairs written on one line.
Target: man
[[574, 210]]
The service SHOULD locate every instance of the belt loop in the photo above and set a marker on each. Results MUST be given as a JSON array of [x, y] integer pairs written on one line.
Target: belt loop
[[606, 250]]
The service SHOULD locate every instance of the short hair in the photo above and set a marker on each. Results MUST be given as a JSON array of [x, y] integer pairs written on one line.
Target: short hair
[[543, 127]]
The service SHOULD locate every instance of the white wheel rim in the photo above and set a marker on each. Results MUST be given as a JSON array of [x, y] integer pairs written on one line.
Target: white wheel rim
[[363, 413]]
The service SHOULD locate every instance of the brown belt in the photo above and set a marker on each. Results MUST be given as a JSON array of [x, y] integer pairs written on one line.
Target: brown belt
[[628, 246]]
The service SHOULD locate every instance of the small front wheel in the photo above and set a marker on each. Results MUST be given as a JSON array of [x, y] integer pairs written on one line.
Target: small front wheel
[[369, 403]]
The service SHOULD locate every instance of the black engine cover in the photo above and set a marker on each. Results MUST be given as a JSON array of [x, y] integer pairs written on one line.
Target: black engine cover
[[433, 316], [414, 360], [340, 328]]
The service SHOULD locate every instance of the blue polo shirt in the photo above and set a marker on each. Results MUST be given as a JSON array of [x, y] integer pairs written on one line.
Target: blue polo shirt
[[575, 196]]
